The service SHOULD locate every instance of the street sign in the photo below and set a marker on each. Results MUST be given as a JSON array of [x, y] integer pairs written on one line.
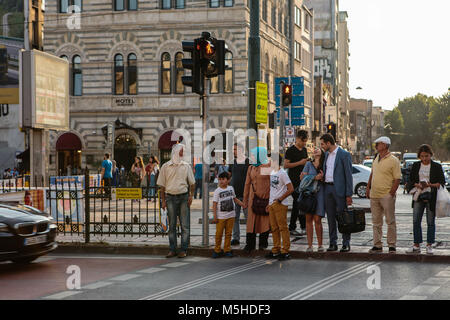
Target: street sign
[[290, 134], [297, 116], [261, 102]]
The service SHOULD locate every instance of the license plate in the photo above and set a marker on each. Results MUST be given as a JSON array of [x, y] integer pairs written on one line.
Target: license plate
[[35, 240]]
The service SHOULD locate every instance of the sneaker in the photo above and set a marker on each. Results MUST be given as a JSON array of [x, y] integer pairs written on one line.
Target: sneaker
[[171, 254], [284, 256], [272, 255], [392, 250], [235, 242], [320, 249], [309, 249], [215, 255], [294, 233], [228, 255], [429, 250], [413, 249], [376, 250]]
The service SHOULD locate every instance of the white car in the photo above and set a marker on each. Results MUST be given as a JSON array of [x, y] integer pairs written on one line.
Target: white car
[[361, 175], [368, 163]]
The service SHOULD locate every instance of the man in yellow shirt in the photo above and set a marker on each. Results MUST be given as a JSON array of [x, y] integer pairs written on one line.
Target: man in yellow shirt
[[382, 189]]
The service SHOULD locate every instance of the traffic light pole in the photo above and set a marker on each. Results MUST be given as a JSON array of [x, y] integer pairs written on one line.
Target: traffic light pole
[[205, 166], [254, 64], [282, 120]]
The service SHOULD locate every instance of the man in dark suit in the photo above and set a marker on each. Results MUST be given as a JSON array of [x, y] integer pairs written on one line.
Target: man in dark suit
[[338, 187]]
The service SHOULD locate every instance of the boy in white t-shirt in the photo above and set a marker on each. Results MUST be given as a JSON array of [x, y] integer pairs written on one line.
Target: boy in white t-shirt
[[224, 214], [280, 188]]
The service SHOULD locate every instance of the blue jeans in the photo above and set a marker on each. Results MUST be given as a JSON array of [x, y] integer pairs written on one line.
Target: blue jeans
[[151, 186], [198, 186], [419, 208], [333, 205], [177, 206], [236, 227]]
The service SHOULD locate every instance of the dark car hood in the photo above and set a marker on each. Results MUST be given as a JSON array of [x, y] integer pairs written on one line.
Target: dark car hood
[[10, 215]]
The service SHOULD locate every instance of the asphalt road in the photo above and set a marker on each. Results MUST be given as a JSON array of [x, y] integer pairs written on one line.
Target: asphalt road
[[123, 277]]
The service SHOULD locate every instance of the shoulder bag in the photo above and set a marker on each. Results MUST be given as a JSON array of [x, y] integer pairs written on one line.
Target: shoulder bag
[[259, 205]]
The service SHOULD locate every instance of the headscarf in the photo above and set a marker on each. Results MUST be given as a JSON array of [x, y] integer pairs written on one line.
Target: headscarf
[[260, 154], [176, 159]]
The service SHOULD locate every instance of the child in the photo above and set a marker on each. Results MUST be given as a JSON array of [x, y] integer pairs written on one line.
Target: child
[[224, 214], [280, 189]]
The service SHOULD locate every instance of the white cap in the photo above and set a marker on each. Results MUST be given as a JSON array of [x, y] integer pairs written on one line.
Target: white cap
[[384, 140]]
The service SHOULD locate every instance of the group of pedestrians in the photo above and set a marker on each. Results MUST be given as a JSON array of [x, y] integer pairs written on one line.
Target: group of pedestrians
[[260, 188]]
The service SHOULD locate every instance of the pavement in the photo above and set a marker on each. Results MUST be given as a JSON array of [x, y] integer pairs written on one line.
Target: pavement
[[360, 244], [154, 277]]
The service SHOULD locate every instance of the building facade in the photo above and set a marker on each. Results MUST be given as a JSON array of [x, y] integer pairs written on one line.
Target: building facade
[[126, 91], [343, 94], [361, 128], [378, 122]]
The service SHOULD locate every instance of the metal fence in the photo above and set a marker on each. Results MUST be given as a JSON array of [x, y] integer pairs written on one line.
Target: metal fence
[[83, 206]]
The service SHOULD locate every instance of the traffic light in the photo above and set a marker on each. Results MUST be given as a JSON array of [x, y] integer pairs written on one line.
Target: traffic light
[[286, 95], [212, 55], [195, 80], [331, 129]]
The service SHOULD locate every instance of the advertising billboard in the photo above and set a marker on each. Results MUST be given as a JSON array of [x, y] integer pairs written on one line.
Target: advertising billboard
[[11, 42], [45, 95]]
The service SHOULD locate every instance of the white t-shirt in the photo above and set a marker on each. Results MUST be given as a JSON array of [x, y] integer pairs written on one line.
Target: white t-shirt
[[424, 174], [225, 202], [278, 186]]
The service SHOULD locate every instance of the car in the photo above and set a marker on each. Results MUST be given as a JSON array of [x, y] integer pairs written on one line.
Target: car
[[410, 156], [368, 163], [447, 180], [25, 233], [361, 175]]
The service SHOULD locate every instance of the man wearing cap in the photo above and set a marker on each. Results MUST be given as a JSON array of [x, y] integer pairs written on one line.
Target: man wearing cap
[[381, 190]]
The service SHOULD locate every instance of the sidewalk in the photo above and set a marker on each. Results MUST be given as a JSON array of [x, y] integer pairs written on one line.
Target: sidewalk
[[360, 244]]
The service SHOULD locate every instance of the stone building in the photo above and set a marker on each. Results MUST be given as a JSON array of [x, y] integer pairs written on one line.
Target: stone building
[[125, 55], [361, 128], [378, 122]]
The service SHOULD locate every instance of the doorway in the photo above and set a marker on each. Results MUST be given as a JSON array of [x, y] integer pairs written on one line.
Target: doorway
[[125, 151]]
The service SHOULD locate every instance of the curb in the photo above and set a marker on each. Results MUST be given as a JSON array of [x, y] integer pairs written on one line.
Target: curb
[[66, 248]]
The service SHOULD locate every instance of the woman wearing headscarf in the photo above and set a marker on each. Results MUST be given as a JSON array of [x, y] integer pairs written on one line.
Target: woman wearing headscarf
[[256, 193]]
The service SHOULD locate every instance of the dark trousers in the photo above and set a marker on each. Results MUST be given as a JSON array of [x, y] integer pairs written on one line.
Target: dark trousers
[[334, 205], [295, 214], [107, 187], [198, 186], [263, 240]]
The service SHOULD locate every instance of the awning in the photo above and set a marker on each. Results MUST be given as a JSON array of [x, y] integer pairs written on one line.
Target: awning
[[166, 142], [68, 141]]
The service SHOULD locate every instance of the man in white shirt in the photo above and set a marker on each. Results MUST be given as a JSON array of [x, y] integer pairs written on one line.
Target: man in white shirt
[[177, 183]]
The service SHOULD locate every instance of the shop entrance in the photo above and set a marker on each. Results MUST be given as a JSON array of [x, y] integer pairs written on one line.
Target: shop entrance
[[69, 151]]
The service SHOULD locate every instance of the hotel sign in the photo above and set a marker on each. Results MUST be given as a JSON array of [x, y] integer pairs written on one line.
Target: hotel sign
[[124, 102]]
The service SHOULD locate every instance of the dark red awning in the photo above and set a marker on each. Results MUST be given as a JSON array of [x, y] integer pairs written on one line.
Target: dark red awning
[[68, 141], [166, 142]]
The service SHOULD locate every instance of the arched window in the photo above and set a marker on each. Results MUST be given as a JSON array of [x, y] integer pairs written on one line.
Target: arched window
[[179, 72], [77, 76], [118, 74], [132, 74], [275, 66], [228, 85], [165, 74], [281, 69], [64, 57]]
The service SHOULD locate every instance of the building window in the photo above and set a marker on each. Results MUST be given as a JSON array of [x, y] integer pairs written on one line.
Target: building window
[[73, 5], [179, 71], [275, 66], [297, 51], [77, 77], [165, 74], [64, 57], [214, 85], [169, 4], [132, 5], [264, 10], [267, 80], [228, 85], [228, 3], [274, 16], [119, 5], [280, 22], [298, 17], [307, 22], [214, 3], [132, 74], [118, 74]]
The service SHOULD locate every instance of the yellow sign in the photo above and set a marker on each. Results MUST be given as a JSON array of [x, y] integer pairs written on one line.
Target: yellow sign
[[129, 193], [261, 102]]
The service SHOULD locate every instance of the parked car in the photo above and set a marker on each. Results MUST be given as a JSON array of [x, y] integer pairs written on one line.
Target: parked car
[[368, 163], [361, 175], [447, 180], [25, 233], [410, 156]]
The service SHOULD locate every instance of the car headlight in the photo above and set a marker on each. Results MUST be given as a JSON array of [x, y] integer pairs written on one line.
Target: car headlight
[[4, 227], [53, 226]]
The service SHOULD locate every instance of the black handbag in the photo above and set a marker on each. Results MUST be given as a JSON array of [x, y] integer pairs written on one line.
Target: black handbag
[[307, 202], [351, 220], [259, 205], [425, 197]]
